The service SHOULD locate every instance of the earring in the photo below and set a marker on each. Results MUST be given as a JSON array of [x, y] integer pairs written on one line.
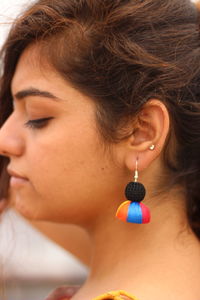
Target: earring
[[152, 147], [132, 210]]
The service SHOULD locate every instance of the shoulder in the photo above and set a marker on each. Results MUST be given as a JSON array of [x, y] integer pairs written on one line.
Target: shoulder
[[66, 293]]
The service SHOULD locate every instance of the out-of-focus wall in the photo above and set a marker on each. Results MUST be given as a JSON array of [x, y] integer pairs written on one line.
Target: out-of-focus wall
[[30, 264], [9, 9], [26, 254]]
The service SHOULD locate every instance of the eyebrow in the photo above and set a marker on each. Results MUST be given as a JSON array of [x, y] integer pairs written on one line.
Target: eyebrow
[[35, 92]]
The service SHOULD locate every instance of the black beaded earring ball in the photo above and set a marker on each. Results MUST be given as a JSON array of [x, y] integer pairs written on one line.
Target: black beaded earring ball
[[135, 191]]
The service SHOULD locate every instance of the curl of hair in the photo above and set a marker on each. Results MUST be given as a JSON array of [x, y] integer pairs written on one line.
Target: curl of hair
[[122, 53]]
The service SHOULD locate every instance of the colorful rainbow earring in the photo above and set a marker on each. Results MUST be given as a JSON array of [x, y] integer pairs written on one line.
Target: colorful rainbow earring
[[132, 210]]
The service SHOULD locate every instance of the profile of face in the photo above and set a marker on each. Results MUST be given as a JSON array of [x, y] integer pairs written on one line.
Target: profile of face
[[53, 143]]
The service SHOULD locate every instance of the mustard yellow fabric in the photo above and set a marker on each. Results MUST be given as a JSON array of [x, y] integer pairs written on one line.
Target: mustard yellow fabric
[[115, 295]]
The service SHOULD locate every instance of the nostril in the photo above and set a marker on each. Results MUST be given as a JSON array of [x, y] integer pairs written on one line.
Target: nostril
[[3, 153], [11, 146]]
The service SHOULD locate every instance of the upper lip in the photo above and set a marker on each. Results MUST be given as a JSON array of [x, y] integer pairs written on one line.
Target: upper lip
[[15, 174]]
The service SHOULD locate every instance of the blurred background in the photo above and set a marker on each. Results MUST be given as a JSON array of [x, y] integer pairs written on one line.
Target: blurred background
[[30, 264]]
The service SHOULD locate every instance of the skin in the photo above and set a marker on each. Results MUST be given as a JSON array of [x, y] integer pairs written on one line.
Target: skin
[[74, 178], [79, 137]]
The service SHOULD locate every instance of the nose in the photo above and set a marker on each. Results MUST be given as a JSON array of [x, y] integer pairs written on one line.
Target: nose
[[11, 140]]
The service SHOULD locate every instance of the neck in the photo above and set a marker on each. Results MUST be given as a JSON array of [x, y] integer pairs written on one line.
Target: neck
[[147, 260]]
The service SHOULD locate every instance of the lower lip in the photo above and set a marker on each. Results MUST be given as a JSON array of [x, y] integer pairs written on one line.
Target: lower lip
[[16, 182]]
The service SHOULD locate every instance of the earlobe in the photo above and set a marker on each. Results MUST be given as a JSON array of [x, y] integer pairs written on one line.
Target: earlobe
[[150, 134]]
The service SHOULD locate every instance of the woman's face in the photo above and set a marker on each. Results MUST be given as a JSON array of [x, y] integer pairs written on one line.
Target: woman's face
[[52, 141]]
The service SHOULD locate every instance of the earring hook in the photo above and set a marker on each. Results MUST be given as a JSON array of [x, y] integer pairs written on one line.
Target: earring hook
[[136, 170]]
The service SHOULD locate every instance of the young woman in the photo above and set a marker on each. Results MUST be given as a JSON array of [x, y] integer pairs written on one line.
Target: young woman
[[100, 127]]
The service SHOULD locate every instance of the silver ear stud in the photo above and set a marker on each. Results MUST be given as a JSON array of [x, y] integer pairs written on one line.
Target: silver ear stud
[[152, 147]]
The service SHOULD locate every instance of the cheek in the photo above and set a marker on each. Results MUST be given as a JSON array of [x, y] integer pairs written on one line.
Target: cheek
[[68, 176], [65, 157]]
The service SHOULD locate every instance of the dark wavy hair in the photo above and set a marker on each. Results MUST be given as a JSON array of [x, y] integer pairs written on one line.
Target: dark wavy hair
[[121, 53]]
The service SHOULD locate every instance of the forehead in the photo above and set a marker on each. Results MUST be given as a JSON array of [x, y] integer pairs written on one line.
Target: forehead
[[34, 72], [31, 69]]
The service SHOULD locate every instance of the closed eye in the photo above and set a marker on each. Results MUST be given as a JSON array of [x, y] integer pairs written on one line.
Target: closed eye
[[37, 123]]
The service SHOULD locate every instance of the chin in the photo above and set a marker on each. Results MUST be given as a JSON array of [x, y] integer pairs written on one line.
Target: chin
[[24, 209]]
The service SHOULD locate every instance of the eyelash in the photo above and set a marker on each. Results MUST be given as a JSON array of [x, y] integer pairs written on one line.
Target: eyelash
[[37, 123]]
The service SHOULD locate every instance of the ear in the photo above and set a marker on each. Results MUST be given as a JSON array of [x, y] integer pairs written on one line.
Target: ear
[[152, 128]]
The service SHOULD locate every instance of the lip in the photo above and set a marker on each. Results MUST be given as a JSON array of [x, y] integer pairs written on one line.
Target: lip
[[15, 174], [17, 182]]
